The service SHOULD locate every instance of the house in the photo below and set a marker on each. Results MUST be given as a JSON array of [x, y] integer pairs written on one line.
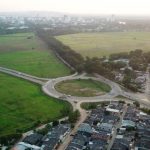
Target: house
[[126, 61], [33, 139], [121, 144], [112, 110], [128, 124], [79, 142], [55, 136], [100, 136], [85, 128], [97, 145], [140, 79], [24, 146], [106, 127]]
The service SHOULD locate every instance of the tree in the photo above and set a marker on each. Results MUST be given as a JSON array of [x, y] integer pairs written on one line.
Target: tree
[[48, 126], [121, 101], [126, 80], [130, 73], [95, 122], [137, 104], [136, 53], [73, 117], [146, 110], [55, 123], [65, 111]]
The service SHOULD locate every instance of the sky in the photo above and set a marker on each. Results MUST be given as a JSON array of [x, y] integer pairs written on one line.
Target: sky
[[134, 7]]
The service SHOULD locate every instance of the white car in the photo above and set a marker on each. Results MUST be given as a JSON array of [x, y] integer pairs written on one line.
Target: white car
[[19, 73]]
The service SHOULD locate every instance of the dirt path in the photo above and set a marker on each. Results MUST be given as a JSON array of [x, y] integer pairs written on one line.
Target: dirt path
[[69, 138]]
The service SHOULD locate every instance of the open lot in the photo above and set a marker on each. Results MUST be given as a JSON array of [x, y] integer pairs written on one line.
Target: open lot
[[85, 88], [27, 53], [106, 43], [22, 104]]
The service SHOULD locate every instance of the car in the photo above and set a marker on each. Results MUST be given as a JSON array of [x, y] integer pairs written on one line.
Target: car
[[72, 135], [19, 73]]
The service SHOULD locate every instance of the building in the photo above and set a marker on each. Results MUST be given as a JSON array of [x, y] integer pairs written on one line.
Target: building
[[106, 127], [24, 146], [128, 124]]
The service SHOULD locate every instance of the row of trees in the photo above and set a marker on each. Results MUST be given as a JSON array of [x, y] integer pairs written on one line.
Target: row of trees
[[128, 80], [66, 53], [10, 139], [95, 65], [122, 55], [146, 110]]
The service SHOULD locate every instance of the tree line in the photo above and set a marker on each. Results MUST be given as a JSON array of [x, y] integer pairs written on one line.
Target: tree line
[[66, 53]]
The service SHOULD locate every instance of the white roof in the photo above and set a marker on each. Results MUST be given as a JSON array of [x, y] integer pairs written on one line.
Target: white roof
[[23, 146], [106, 125], [112, 110], [128, 123], [119, 136], [142, 113]]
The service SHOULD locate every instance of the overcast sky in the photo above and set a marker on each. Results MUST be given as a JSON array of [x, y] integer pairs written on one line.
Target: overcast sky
[[141, 7]]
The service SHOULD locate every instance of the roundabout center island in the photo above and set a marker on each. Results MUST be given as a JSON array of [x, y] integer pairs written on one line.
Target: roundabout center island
[[82, 87]]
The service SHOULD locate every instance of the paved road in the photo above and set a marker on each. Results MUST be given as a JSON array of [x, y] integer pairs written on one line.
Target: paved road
[[48, 86], [23, 76]]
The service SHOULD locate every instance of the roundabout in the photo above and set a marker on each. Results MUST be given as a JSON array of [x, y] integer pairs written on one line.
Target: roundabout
[[111, 90]]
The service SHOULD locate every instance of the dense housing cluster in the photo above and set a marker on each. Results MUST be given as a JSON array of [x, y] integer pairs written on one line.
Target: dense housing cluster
[[134, 132], [118, 126], [97, 131]]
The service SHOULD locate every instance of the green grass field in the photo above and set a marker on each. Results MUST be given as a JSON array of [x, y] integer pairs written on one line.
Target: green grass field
[[22, 104], [30, 56], [85, 88], [104, 44]]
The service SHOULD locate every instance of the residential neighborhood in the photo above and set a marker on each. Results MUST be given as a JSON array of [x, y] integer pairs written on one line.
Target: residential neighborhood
[[74, 75], [49, 141], [116, 126]]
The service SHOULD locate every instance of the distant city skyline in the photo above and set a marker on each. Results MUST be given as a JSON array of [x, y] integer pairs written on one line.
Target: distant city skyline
[[122, 7]]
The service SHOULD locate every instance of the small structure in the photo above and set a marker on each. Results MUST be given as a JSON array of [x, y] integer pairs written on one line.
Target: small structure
[[140, 79], [112, 110], [33, 139]]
